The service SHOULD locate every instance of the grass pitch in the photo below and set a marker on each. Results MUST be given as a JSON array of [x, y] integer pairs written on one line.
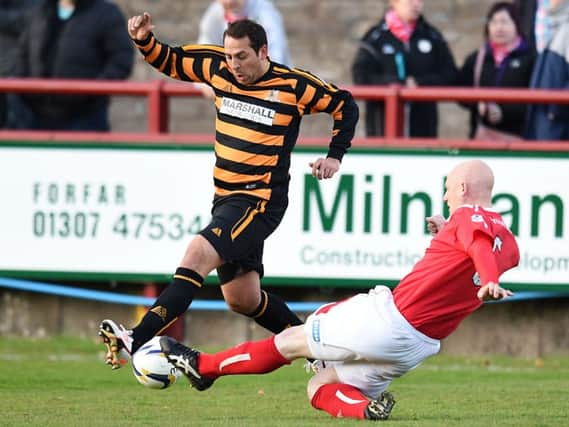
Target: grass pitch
[[63, 382]]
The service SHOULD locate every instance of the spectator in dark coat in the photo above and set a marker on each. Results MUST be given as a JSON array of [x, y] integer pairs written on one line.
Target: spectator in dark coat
[[551, 71], [72, 39], [13, 19], [404, 48], [506, 61]]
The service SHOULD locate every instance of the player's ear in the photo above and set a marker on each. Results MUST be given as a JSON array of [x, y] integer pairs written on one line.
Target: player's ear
[[263, 52]]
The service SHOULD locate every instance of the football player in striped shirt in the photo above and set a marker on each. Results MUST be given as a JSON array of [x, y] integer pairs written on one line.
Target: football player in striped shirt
[[259, 105]]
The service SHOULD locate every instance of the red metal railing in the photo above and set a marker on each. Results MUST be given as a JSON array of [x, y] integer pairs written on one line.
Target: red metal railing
[[158, 93]]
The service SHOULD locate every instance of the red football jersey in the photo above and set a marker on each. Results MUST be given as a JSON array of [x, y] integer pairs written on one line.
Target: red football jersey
[[441, 289]]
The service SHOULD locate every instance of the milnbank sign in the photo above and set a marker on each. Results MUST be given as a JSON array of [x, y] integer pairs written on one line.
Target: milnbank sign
[[130, 211]]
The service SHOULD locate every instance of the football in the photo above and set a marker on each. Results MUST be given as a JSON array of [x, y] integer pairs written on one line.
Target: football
[[151, 367]]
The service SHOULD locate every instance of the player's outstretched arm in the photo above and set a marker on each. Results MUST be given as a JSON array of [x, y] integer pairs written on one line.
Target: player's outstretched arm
[[140, 26], [492, 292]]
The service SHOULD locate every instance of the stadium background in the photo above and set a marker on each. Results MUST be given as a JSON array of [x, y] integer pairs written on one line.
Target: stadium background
[[323, 38], [528, 328]]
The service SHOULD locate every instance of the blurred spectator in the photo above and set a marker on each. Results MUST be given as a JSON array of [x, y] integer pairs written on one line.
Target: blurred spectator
[[222, 12], [404, 48], [71, 39], [13, 20], [504, 60], [551, 71], [533, 19]]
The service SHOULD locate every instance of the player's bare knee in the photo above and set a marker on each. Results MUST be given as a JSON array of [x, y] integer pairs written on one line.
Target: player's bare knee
[[292, 344], [241, 306], [244, 302], [243, 293], [200, 256]]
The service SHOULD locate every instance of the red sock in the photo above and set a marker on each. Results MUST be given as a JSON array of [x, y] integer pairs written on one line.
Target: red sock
[[252, 357], [340, 400]]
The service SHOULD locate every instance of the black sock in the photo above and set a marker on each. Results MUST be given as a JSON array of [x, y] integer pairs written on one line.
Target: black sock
[[273, 314], [173, 301]]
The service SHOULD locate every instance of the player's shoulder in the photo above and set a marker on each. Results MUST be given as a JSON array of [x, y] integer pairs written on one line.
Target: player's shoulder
[[205, 49], [283, 74], [466, 210], [469, 214], [478, 217], [311, 79]]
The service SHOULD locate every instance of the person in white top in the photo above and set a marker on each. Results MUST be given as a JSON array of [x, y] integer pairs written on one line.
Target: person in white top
[[222, 12]]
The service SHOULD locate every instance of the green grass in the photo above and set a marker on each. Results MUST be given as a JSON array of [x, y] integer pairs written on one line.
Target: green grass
[[62, 382]]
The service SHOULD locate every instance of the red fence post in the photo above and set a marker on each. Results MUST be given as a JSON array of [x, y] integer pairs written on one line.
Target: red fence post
[[393, 113], [158, 111]]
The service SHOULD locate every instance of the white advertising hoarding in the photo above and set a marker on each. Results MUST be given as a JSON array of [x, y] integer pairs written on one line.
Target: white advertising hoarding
[[132, 211]]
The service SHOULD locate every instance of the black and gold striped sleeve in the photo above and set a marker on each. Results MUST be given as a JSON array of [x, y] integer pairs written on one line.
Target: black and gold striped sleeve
[[317, 96], [195, 63]]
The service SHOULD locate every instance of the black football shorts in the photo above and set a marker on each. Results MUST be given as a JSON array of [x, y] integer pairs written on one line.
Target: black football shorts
[[237, 230]]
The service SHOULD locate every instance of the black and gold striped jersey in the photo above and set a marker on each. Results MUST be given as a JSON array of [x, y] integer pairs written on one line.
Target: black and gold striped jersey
[[257, 125]]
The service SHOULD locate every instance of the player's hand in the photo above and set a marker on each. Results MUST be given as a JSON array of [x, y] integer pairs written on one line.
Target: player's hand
[[435, 223], [140, 26], [324, 168], [492, 292]]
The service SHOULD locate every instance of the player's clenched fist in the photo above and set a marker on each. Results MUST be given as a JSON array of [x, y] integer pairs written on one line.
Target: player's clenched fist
[[435, 223], [140, 26]]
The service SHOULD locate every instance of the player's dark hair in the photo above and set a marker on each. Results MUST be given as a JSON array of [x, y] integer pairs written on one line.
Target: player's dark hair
[[247, 28]]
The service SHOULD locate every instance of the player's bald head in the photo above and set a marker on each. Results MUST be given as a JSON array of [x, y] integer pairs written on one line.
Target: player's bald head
[[470, 182], [476, 174]]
